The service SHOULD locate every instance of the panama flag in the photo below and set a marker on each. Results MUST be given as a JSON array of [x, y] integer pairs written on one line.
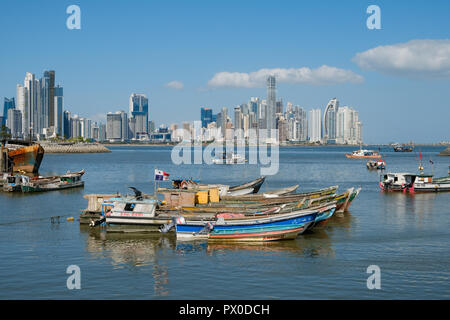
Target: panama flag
[[161, 175]]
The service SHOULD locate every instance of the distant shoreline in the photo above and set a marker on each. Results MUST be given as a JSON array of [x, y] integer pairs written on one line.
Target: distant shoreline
[[282, 145]]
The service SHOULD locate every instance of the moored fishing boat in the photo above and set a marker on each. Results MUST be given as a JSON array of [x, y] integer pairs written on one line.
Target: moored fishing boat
[[342, 200], [353, 196], [281, 192], [410, 182], [255, 184], [280, 198], [271, 227], [65, 181], [14, 182], [224, 190], [377, 165]]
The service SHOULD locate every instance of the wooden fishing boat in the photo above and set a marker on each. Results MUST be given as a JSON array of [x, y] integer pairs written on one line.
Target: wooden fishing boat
[[410, 182], [324, 214], [280, 198], [240, 192], [376, 165], [353, 196], [13, 182], [224, 190], [66, 181], [255, 184], [266, 228], [343, 200], [281, 192]]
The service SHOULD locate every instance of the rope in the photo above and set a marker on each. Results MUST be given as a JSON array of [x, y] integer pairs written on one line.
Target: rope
[[53, 219]]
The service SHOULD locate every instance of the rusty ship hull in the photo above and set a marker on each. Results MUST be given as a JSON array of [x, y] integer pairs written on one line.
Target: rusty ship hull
[[27, 158]]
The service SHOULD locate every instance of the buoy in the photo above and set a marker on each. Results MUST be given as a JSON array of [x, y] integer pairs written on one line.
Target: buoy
[[70, 219]]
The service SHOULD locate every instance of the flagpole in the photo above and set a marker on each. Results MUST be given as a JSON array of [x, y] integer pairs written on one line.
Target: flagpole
[[432, 166], [154, 178]]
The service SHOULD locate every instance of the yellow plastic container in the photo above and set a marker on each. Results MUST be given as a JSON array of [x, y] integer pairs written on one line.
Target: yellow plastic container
[[202, 197], [214, 195]]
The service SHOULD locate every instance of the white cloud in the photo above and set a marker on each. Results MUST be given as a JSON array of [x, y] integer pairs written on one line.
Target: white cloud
[[419, 58], [175, 85], [320, 76]]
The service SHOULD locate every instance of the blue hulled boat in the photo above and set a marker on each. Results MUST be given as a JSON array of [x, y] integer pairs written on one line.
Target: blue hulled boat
[[277, 226]]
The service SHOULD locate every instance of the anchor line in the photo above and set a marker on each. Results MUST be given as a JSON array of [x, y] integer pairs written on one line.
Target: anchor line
[[53, 219]]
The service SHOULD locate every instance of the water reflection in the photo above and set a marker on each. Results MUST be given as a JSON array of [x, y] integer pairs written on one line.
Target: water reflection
[[133, 251], [403, 206]]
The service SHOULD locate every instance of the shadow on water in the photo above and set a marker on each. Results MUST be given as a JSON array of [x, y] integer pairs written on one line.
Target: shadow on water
[[137, 249]]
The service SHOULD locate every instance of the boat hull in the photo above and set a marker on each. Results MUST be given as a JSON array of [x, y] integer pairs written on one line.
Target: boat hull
[[27, 159], [352, 156], [276, 227], [432, 187], [26, 188]]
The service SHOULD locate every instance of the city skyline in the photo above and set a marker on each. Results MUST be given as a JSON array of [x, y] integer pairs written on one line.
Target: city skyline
[[199, 59]]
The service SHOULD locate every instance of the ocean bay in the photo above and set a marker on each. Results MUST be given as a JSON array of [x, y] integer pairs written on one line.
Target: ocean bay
[[405, 235]]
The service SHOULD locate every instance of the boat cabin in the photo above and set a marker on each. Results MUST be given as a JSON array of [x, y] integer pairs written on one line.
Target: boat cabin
[[131, 206], [70, 178], [398, 178]]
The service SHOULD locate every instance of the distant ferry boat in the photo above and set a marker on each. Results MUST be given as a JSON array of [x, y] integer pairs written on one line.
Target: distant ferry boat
[[363, 154]]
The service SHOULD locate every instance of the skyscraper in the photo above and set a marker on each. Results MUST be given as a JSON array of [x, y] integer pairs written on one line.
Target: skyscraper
[[279, 107], [114, 126], [329, 121], [271, 105], [31, 114], [67, 129], [22, 100], [139, 106], [57, 114], [51, 98], [14, 123], [348, 126], [206, 116], [7, 104], [315, 125]]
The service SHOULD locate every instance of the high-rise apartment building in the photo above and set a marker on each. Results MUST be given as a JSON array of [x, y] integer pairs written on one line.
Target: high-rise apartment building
[[139, 110], [14, 123], [7, 104], [271, 106], [329, 121], [348, 126], [58, 109], [206, 116], [315, 125]]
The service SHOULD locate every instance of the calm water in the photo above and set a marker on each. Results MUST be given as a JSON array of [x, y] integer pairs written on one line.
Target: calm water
[[406, 236]]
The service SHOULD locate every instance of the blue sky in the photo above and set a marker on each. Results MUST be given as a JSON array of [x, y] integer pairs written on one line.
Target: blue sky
[[140, 46]]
